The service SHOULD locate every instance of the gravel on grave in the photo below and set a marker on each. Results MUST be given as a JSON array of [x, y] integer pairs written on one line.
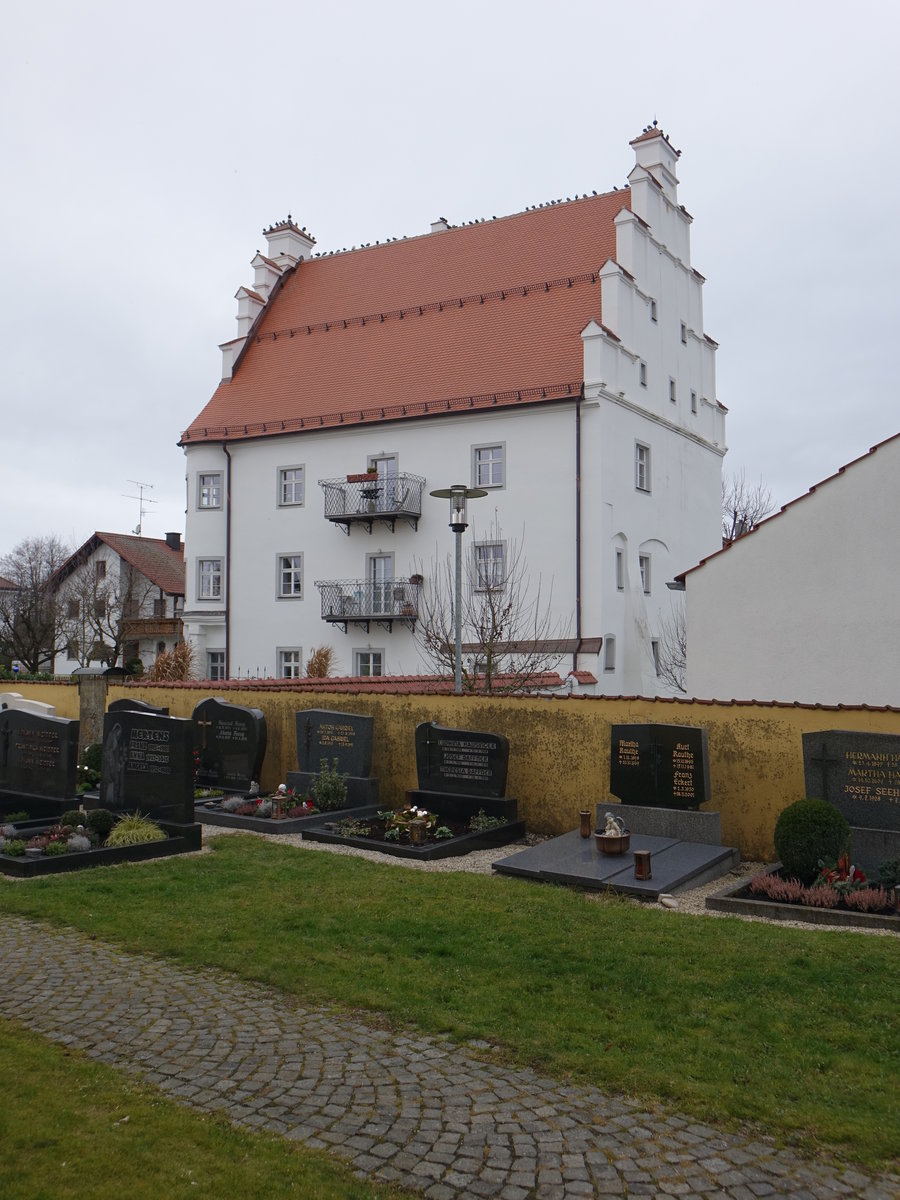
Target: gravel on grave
[[691, 900]]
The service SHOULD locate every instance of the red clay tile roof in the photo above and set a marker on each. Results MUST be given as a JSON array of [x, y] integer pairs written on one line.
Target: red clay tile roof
[[473, 316], [414, 685], [153, 557]]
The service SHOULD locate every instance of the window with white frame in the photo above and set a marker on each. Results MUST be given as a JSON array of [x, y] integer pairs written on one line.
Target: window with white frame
[[609, 654], [290, 576], [488, 565], [209, 489], [620, 570], [644, 564], [641, 467], [290, 486], [290, 663], [488, 469], [209, 579], [215, 665], [368, 662]]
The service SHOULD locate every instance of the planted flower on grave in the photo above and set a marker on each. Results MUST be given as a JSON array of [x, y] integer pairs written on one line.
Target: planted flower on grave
[[843, 876], [404, 817]]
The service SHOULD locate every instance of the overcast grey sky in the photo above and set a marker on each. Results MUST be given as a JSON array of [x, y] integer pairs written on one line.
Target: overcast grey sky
[[144, 148]]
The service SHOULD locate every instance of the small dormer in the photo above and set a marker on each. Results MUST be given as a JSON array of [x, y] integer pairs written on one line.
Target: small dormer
[[655, 155], [288, 243]]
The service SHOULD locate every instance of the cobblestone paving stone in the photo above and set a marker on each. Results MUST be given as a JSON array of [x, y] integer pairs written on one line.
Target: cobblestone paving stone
[[415, 1110]]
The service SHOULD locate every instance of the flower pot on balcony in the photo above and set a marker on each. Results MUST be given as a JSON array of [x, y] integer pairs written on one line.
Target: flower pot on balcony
[[362, 477]]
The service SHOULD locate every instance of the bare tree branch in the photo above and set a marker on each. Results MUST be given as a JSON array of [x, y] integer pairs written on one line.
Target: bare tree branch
[[509, 634], [29, 612], [744, 505], [672, 659]]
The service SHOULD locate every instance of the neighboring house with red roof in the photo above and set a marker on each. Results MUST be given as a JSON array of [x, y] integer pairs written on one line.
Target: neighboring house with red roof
[[555, 358], [121, 597], [803, 609]]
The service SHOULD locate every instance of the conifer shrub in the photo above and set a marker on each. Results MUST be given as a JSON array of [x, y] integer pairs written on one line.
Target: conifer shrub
[[100, 821], [807, 833]]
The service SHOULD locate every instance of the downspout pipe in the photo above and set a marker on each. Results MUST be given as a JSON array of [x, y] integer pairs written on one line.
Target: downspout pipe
[[227, 454], [578, 629]]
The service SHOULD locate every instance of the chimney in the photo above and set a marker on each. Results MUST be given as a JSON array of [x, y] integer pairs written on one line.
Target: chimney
[[173, 541], [288, 243], [441, 225]]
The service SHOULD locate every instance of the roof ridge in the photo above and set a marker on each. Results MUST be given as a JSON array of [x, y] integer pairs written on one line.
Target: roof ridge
[[454, 302]]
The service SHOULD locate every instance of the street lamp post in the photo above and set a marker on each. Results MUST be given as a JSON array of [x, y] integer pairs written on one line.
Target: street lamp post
[[458, 495]]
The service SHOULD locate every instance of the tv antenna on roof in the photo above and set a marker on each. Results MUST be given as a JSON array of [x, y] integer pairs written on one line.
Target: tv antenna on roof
[[142, 487]]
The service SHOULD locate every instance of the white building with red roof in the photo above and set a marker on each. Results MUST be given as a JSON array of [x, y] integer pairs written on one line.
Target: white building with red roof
[[803, 609], [121, 598], [555, 358]]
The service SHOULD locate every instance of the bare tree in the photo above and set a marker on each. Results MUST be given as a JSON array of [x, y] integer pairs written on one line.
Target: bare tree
[[95, 610], [744, 505], [509, 635], [671, 658], [29, 611], [173, 665]]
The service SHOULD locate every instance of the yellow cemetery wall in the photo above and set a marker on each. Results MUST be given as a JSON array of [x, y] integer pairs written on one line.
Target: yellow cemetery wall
[[559, 748]]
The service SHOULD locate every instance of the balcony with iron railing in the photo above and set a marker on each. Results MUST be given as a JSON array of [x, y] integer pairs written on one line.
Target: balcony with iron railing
[[362, 601], [364, 499]]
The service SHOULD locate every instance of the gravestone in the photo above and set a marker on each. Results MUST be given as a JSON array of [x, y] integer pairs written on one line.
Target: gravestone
[[18, 701], [461, 761], [143, 706], [148, 765], [231, 744], [345, 737], [38, 757], [659, 766], [859, 773]]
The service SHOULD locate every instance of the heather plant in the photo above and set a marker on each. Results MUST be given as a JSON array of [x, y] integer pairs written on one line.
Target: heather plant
[[808, 833], [870, 899], [820, 897]]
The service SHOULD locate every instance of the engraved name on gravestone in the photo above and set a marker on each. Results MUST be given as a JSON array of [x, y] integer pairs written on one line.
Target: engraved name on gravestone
[[147, 765], [662, 766], [346, 737], [859, 773], [461, 760], [38, 754], [231, 744]]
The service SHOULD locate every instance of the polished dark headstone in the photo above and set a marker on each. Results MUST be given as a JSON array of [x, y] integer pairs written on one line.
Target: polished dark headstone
[[461, 761], [346, 737], [38, 755], [859, 773], [127, 705], [230, 743], [663, 766], [148, 765]]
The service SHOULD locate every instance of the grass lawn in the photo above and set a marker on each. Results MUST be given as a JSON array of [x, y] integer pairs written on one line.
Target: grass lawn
[[796, 1030], [75, 1130]]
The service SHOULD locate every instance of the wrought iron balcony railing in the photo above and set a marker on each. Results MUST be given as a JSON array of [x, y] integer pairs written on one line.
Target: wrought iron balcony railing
[[361, 601], [364, 500]]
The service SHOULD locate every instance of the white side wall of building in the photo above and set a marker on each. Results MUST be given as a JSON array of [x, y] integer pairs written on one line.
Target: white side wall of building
[[804, 608]]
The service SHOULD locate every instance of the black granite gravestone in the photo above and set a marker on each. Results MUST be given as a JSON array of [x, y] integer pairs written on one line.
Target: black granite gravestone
[[127, 705], [663, 766], [38, 757], [148, 765], [230, 743], [344, 742], [859, 773], [461, 761]]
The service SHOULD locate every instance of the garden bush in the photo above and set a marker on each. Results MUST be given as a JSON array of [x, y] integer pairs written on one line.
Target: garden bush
[[808, 833], [329, 787], [100, 821]]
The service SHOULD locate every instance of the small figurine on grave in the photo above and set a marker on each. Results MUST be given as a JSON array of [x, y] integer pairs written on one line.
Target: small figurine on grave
[[615, 827]]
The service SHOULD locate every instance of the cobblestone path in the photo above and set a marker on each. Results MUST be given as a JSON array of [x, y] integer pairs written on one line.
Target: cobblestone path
[[410, 1108]]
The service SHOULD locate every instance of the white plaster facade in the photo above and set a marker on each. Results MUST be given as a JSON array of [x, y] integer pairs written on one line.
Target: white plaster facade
[[649, 391], [803, 609]]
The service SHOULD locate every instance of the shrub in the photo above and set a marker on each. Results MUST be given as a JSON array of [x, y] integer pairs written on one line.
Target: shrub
[[320, 663], [329, 787], [808, 832], [872, 899], [92, 757], [133, 829], [100, 821], [22, 815], [889, 873], [15, 847], [73, 817], [56, 848], [442, 832], [134, 666]]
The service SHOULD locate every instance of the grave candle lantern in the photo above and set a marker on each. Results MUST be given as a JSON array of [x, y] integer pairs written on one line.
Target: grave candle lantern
[[642, 868]]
